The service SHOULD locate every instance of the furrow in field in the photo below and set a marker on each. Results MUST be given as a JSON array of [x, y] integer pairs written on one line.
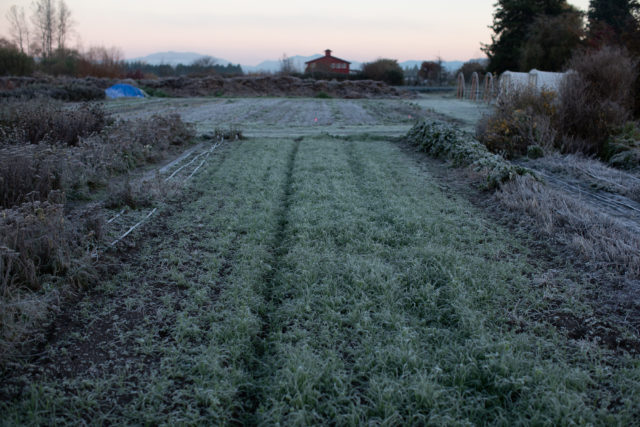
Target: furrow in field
[[252, 394]]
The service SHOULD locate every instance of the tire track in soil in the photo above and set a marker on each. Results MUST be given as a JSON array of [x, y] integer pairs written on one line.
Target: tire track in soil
[[252, 394]]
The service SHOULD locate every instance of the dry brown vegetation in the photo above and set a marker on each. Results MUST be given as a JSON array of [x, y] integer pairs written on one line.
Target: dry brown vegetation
[[581, 215], [520, 120], [578, 204], [51, 154], [50, 122], [593, 173], [598, 238], [596, 100], [590, 109]]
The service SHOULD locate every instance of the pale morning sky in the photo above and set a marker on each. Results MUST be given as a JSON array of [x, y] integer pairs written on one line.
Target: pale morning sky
[[250, 31]]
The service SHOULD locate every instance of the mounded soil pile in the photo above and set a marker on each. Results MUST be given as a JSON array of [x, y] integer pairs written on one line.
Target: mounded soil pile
[[271, 86], [15, 82], [228, 86]]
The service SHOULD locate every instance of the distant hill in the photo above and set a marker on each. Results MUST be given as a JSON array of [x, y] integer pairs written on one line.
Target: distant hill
[[272, 65], [174, 58]]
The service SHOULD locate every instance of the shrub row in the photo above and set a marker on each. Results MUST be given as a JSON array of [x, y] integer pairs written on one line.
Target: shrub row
[[443, 140], [30, 171], [587, 114], [46, 121]]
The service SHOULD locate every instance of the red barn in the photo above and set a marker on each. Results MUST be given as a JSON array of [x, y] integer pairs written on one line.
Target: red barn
[[328, 64]]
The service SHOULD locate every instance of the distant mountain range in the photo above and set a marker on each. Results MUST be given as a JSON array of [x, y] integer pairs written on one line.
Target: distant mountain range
[[172, 58], [269, 66]]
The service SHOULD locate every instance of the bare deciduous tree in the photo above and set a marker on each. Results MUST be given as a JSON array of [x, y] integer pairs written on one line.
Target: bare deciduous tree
[[51, 24], [204, 62], [63, 23], [286, 65], [44, 22], [19, 29]]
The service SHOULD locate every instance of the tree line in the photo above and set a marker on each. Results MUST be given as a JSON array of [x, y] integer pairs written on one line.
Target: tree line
[[544, 34], [43, 35], [200, 67], [527, 34]]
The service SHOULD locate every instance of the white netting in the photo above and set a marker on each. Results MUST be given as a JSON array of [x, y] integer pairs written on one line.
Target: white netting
[[545, 80], [511, 80], [540, 80]]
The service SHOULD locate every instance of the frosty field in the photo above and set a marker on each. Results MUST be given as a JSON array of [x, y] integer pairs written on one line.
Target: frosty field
[[321, 271]]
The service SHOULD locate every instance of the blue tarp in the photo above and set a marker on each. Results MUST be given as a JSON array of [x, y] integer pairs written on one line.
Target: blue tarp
[[124, 90]]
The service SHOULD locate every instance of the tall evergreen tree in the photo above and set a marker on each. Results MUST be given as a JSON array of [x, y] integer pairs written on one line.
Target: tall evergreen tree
[[612, 21], [552, 41], [511, 22], [615, 22]]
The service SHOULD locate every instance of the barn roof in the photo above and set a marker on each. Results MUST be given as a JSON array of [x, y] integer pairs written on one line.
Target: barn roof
[[327, 54], [323, 57]]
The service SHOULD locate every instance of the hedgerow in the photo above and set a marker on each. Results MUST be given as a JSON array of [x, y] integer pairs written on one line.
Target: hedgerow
[[445, 141], [45, 121]]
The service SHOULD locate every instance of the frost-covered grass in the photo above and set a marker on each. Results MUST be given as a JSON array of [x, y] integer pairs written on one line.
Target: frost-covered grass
[[322, 281], [280, 116]]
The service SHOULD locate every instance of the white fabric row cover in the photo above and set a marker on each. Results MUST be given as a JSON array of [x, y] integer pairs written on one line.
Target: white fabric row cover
[[541, 80]]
